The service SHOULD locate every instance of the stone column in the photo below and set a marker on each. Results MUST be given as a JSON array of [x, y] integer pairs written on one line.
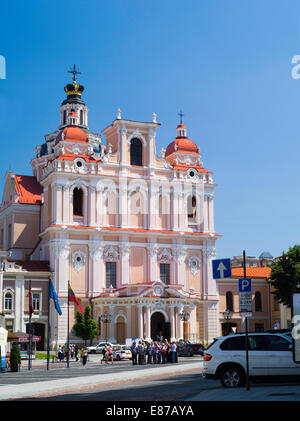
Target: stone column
[[152, 259], [172, 321], [97, 273], [148, 322], [180, 272], [66, 206], [123, 145], [151, 148], [128, 315], [99, 206], [19, 324], [124, 265], [140, 321], [123, 203], [92, 216], [179, 323]]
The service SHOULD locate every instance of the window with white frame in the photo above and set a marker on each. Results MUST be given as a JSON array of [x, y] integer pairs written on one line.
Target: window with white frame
[[36, 301], [8, 301]]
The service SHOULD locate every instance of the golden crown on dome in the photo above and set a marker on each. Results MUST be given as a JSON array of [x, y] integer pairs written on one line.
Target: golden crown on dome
[[73, 88]]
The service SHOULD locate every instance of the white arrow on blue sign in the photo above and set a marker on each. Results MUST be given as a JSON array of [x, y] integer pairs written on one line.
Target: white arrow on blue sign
[[221, 268]]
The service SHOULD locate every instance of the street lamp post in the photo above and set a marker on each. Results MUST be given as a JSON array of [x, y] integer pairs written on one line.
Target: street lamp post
[[184, 317], [106, 318], [227, 315]]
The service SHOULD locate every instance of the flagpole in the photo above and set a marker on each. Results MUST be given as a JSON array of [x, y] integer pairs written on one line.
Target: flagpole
[[30, 304], [68, 337], [48, 339]]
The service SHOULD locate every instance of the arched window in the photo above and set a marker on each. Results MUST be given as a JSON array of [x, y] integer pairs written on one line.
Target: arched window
[[192, 207], [81, 117], [136, 152], [78, 202], [257, 301], [65, 117], [229, 301], [8, 301]]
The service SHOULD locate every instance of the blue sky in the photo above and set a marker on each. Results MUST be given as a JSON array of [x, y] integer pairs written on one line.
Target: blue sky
[[227, 64]]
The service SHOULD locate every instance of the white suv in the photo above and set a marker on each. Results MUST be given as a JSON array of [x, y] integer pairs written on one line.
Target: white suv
[[268, 354]]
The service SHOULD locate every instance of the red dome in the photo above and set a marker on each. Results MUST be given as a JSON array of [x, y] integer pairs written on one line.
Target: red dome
[[72, 134], [183, 145]]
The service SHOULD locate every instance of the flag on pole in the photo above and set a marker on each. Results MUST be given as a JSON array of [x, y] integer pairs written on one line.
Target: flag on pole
[[53, 296], [30, 300], [72, 297]]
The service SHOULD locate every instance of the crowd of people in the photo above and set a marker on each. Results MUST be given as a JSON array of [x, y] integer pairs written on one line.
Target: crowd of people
[[62, 352], [159, 352]]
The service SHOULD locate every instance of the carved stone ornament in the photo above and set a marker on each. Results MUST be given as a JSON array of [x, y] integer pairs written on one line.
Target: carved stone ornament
[[78, 258], [111, 253], [165, 256], [195, 264], [96, 252]]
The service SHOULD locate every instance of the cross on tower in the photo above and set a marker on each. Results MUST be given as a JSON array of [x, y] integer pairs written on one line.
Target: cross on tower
[[74, 72], [181, 115]]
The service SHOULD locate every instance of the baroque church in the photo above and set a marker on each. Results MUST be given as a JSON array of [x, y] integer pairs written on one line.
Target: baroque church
[[130, 229]]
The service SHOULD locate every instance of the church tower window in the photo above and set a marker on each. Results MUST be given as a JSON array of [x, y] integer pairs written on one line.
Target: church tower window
[[78, 202], [136, 152], [192, 207]]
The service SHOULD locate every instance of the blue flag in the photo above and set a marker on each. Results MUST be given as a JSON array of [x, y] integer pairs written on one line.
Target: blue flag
[[53, 296]]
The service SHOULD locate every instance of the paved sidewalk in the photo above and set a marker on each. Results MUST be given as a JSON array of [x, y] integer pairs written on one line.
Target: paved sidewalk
[[68, 385], [256, 393]]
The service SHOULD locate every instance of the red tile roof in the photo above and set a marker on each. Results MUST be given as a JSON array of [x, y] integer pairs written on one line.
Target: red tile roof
[[251, 272], [28, 189]]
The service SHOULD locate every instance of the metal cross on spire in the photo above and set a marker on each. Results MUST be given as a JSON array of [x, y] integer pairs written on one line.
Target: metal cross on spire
[[181, 115], [74, 72]]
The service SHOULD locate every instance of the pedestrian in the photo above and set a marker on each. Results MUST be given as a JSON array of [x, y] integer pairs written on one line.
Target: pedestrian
[[133, 350], [173, 352], [158, 353], [110, 354], [154, 353], [149, 352], [76, 352], [62, 355], [59, 350], [140, 351], [164, 353], [104, 355], [84, 356]]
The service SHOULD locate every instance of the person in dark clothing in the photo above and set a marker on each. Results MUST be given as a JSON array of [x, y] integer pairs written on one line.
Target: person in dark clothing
[[133, 350], [140, 350], [149, 353], [76, 352]]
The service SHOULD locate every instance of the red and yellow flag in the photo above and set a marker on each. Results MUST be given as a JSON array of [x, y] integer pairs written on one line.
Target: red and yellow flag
[[72, 297]]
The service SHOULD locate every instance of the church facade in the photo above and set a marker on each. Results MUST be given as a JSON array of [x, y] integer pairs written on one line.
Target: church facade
[[130, 229]]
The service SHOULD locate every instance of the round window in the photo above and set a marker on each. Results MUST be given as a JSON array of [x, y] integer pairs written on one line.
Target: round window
[[79, 164]]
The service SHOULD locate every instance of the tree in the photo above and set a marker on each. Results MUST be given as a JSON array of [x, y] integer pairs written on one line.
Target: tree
[[285, 275], [86, 327]]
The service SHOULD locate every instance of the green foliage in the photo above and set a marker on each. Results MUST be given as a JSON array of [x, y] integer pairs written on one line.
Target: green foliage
[[86, 327], [285, 275], [15, 355]]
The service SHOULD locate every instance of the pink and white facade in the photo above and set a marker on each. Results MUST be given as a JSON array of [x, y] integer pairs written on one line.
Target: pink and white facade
[[133, 231]]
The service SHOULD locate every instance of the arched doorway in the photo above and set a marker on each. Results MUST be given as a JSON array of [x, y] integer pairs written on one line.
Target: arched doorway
[[159, 327], [121, 331]]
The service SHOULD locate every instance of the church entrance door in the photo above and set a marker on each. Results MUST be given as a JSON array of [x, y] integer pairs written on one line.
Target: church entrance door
[[159, 327]]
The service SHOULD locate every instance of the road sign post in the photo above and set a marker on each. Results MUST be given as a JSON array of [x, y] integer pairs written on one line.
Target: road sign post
[[245, 294], [221, 268]]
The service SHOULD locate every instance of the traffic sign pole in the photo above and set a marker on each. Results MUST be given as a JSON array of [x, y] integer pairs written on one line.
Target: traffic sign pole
[[246, 325]]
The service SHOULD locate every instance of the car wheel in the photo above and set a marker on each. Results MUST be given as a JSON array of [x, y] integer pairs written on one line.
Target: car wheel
[[93, 352], [118, 358], [232, 376]]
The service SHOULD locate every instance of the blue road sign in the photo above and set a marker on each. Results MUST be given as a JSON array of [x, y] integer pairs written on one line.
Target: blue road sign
[[221, 268], [244, 285]]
